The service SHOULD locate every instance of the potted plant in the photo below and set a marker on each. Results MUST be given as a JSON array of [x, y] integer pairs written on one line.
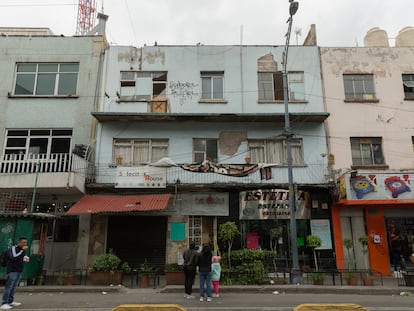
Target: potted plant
[[367, 278], [174, 274], [105, 269], [144, 272], [350, 277], [314, 241], [318, 278]]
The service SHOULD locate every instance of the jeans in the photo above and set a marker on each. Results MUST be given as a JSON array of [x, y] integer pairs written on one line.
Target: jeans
[[12, 281], [205, 277]]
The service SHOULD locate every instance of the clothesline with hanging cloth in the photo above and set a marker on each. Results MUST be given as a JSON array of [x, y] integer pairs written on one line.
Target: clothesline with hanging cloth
[[93, 204]]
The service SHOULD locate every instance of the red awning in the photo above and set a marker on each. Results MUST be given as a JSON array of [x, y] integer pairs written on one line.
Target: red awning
[[93, 204]]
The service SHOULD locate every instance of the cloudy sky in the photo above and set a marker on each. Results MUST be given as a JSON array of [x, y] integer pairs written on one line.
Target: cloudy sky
[[139, 22]]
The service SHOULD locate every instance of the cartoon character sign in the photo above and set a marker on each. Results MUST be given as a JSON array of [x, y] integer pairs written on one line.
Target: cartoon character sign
[[396, 186], [361, 186]]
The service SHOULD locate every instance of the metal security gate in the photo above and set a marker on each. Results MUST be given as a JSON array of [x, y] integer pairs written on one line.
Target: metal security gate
[[138, 238]]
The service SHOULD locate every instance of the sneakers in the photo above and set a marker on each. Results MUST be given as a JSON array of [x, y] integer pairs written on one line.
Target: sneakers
[[216, 295], [15, 303], [209, 299], [6, 307], [190, 297], [201, 299]]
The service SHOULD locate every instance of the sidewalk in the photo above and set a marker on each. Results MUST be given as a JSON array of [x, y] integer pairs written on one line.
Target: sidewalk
[[390, 287]]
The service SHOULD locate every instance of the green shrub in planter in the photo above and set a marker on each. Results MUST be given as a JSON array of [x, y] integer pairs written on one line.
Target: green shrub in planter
[[108, 262]]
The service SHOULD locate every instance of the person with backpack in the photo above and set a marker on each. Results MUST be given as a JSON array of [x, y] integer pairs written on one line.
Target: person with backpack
[[16, 260], [190, 269]]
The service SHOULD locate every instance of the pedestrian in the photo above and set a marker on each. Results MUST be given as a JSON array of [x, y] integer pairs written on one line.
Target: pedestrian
[[17, 258], [396, 250], [190, 269], [215, 274], [204, 270]]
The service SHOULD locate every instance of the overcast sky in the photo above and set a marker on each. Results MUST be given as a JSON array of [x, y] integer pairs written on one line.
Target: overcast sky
[[176, 22]]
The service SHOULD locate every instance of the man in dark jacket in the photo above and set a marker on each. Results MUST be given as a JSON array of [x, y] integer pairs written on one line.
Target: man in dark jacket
[[17, 258], [204, 270], [190, 264]]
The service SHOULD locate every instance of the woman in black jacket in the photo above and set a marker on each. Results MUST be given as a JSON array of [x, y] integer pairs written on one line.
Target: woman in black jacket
[[204, 269]]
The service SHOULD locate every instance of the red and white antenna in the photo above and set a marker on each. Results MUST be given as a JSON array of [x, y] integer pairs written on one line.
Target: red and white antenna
[[86, 16]]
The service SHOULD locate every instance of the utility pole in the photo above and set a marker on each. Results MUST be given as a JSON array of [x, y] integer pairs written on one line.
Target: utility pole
[[35, 187], [295, 273]]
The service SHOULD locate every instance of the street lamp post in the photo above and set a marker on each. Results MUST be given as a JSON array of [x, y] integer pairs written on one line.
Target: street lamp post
[[295, 274]]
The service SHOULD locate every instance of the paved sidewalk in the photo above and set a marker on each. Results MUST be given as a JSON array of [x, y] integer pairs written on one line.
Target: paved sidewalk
[[390, 286]]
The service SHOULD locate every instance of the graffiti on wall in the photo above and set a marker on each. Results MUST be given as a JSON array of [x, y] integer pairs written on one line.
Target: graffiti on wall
[[183, 90]]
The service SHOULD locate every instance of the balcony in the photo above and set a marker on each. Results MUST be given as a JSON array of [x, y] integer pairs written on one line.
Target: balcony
[[58, 170], [305, 175]]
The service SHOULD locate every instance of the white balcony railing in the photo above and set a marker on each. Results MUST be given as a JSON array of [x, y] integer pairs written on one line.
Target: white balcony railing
[[22, 163]]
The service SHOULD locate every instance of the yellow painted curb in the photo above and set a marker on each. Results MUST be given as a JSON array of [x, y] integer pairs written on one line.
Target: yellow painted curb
[[162, 307], [329, 307]]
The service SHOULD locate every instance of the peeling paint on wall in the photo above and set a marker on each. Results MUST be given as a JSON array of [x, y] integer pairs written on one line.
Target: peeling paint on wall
[[152, 57], [229, 142]]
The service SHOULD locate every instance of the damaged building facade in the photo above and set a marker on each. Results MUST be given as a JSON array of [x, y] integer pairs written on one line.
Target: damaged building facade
[[189, 137]]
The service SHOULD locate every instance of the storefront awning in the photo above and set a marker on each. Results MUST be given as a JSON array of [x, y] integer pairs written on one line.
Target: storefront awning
[[93, 204]]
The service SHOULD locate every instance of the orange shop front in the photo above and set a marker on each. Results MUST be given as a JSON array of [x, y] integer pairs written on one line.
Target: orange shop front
[[373, 205]]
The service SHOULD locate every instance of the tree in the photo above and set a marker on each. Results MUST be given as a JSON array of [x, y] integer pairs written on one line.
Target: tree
[[227, 233], [314, 241]]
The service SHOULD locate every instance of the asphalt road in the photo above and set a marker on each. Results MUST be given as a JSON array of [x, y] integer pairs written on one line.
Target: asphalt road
[[102, 301]]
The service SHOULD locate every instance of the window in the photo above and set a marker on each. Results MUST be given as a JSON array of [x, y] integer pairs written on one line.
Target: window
[[408, 84], [366, 150], [195, 229], [204, 149], [274, 151], [38, 141], [359, 87], [270, 85], [140, 151], [212, 85], [46, 79], [143, 85]]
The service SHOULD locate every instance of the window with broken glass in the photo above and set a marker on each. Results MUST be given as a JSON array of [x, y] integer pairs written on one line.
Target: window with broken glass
[[270, 86], [143, 85], [408, 85]]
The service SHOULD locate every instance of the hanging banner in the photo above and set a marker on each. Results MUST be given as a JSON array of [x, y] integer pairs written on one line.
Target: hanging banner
[[272, 204], [235, 170]]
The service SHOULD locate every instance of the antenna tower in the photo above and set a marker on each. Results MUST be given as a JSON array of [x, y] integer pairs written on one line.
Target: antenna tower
[[86, 16]]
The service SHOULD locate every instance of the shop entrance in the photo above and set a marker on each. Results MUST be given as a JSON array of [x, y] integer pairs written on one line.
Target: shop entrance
[[402, 229], [275, 235]]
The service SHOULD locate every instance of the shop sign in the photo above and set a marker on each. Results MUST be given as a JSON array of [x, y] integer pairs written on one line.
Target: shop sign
[[272, 204], [205, 204], [140, 177], [322, 229], [360, 186]]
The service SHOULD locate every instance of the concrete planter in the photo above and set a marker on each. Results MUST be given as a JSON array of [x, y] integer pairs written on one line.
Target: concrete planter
[[105, 278]]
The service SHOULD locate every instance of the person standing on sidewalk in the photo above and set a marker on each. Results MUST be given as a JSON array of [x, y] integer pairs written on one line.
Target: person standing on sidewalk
[[215, 274], [190, 269], [204, 270], [17, 258]]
